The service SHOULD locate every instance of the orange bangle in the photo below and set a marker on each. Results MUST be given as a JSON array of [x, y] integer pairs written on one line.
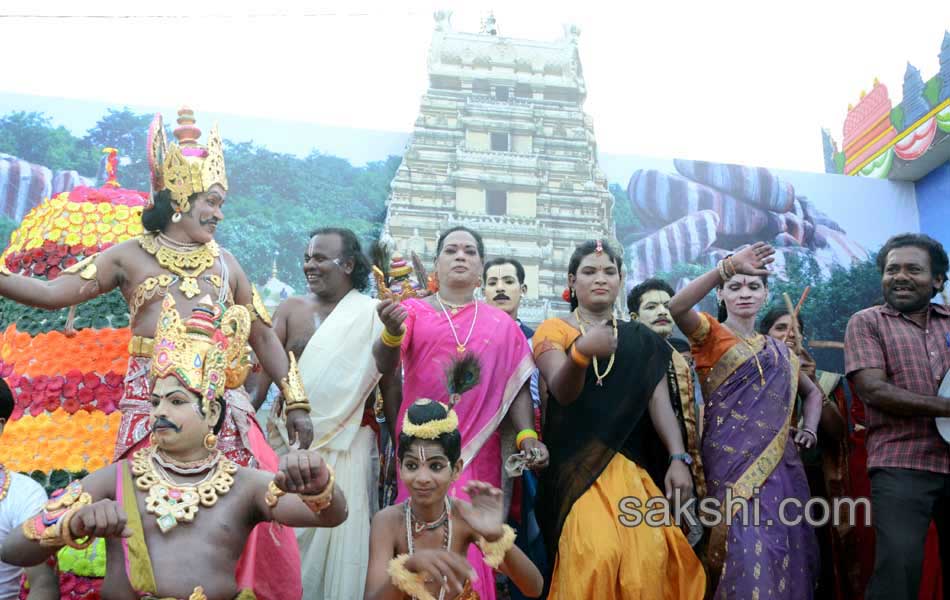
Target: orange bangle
[[580, 359]]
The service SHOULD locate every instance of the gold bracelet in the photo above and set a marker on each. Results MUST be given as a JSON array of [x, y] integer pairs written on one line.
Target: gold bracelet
[[393, 341], [291, 386], [495, 551], [272, 497], [320, 502], [579, 358], [67, 534], [409, 583]]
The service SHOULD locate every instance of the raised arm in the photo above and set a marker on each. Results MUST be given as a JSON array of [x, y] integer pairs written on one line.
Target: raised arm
[[91, 277], [386, 349], [748, 261], [90, 510], [273, 358], [303, 494], [564, 372]]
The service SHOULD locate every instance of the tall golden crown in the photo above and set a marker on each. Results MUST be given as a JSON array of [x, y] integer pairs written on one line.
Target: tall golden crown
[[187, 167], [207, 353]]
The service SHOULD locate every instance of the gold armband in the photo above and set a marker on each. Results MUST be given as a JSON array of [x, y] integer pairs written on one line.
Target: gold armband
[[409, 583], [257, 308], [495, 551], [291, 386], [320, 502], [86, 268], [51, 527], [273, 494]]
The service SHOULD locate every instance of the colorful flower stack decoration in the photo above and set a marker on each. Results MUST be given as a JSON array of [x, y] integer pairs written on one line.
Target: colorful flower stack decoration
[[66, 367]]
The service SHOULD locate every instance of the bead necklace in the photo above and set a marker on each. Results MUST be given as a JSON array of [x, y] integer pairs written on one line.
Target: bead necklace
[[610, 364], [459, 345], [418, 526], [446, 536], [174, 502]]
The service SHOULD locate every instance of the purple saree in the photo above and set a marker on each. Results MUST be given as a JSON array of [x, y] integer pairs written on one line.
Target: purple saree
[[747, 448]]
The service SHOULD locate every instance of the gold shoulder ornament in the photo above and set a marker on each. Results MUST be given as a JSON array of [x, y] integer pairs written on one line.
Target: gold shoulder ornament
[[86, 268], [257, 308]]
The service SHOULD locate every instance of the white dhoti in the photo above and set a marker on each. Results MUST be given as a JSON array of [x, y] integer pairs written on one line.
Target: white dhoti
[[334, 560], [339, 373]]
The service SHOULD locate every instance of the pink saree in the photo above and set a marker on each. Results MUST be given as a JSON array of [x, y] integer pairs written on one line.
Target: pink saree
[[506, 363]]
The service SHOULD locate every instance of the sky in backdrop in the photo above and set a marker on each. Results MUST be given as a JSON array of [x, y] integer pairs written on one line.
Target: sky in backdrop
[[730, 81]]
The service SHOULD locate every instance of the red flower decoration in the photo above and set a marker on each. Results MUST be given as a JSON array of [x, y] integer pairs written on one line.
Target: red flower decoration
[[37, 408], [70, 390], [113, 379], [91, 380], [71, 406], [52, 404], [106, 405], [55, 382], [86, 396], [6, 371], [53, 272], [69, 261], [566, 294], [39, 383], [74, 376]]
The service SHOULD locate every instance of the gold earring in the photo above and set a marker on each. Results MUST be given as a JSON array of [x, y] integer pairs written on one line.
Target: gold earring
[[211, 441]]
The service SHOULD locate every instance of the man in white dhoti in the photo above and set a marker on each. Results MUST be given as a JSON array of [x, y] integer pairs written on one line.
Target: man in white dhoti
[[332, 330]]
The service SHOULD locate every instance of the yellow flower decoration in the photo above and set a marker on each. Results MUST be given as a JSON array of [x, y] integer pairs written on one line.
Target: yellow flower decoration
[[104, 208], [103, 228], [61, 223], [89, 239], [88, 207], [55, 234], [108, 238], [76, 218], [118, 228], [72, 238], [121, 212]]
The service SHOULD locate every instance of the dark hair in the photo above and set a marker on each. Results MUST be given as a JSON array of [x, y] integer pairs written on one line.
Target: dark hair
[[224, 408], [585, 249], [420, 413], [505, 260], [351, 250], [774, 314], [479, 244], [6, 400], [159, 216], [636, 294], [939, 264], [679, 344]]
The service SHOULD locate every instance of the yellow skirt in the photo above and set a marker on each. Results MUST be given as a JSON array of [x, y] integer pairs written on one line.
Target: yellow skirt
[[598, 557]]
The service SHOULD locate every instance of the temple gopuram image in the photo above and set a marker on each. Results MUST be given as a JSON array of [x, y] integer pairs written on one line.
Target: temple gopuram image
[[502, 145]]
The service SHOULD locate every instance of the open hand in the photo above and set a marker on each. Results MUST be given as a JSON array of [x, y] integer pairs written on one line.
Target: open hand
[[485, 514], [392, 314], [102, 519], [302, 472], [442, 566], [752, 260], [299, 428]]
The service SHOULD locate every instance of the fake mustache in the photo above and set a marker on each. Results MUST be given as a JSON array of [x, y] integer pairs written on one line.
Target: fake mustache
[[163, 422], [211, 221], [502, 296]]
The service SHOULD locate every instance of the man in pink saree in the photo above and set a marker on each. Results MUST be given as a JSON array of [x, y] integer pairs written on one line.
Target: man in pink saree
[[424, 335]]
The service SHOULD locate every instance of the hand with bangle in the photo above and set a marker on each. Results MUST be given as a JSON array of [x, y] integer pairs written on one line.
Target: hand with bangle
[[534, 450], [805, 437], [71, 518], [306, 474]]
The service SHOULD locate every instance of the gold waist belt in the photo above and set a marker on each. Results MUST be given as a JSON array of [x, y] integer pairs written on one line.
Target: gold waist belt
[[142, 346]]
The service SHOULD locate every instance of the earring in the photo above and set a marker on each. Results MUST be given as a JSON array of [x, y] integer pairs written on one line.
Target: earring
[[573, 293], [432, 284], [634, 316], [176, 217], [211, 441]]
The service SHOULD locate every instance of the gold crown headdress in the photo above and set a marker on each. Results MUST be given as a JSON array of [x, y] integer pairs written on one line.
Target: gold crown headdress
[[187, 167], [462, 375], [207, 354]]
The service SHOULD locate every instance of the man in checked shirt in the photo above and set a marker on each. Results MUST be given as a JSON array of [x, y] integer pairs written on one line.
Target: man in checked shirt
[[897, 355]]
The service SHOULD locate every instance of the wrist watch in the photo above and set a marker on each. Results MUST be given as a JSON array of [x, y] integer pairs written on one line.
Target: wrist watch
[[682, 456]]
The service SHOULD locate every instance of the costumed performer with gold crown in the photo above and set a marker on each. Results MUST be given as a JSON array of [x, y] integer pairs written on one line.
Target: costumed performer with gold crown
[[176, 516], [418, 547], [177, 257]]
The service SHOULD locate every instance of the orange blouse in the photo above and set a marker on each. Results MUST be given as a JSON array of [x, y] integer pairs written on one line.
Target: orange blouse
[[709, 342], [553, 334]]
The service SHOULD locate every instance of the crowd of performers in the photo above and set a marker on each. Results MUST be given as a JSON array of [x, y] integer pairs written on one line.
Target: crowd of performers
[[427, 444]]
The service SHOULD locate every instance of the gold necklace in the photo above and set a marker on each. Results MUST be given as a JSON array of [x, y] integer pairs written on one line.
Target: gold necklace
[[459, 345], [610, 364], [173, 502], [185, 261], [755, 354]]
